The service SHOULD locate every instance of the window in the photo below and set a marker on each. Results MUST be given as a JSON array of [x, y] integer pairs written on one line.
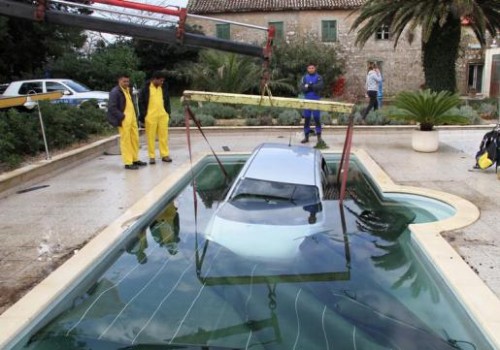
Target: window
[[475, 77], [328, 31], [383, 33], [32, 87], [279, 34], [53, 86], [222, 31]]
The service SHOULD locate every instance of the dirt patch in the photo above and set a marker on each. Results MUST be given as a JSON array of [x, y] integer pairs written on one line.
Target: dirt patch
[[17, 289]]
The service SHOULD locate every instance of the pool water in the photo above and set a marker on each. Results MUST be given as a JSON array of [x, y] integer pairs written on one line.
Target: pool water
[[360, 284]]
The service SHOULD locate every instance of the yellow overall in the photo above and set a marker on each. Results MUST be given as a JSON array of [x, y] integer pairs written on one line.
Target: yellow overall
[[157, 122], [129, 132], [165, 230]]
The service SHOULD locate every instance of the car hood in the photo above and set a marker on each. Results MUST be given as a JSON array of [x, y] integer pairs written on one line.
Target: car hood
[[272, 243]]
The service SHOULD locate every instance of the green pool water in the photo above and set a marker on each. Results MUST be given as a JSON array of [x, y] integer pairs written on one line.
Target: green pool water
[[360, 284]]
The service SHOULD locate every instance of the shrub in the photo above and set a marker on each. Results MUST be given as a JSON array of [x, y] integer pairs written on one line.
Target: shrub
[[206, 120], [63, 125], [260, 120], [176, 119], [218, 111], [467, 112], [289, 117], [487, 110]]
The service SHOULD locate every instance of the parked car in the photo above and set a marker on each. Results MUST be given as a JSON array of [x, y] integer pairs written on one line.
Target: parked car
[[274, 203], [74, 93]]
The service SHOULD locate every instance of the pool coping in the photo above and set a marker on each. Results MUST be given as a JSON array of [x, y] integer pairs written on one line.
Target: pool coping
[[481, 303]]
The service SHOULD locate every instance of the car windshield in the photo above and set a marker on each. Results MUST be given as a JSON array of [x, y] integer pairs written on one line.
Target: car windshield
[[255, 190], [78, 87]]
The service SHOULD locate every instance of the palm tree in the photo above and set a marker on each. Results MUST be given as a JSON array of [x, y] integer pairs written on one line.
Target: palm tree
[[228, 72], [440, 21]]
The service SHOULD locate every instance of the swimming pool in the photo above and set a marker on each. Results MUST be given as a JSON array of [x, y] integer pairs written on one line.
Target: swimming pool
[[361, 284]]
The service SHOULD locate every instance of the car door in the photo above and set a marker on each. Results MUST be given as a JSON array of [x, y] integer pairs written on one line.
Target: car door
[[67, 97]]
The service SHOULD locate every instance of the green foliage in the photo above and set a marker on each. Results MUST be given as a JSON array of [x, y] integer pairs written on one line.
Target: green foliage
[[176, 118], [260, 120], [63, 124], [223, 72], [467, 112], [218, 111], [440, 53], [487, 110], [290, 61], [155, 56], [100, 70], [205, 119], [439, 21], [427, 108], [28, 48], [289, 117]]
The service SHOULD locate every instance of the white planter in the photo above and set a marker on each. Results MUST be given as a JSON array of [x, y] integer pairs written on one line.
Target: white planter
[[425, 141]]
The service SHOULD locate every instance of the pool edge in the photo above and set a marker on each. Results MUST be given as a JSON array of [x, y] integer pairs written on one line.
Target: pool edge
[[478, 299]]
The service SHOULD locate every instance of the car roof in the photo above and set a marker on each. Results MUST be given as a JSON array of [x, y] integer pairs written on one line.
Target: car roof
[[283, 163]]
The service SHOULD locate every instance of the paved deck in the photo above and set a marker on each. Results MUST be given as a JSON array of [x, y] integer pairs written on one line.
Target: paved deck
[[69, 204]]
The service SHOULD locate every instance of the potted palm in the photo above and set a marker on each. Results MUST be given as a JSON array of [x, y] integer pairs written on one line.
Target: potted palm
[[428, 109]]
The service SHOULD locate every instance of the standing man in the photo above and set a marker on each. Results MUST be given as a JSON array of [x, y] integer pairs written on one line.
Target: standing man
[[121, 113], [311, 85], [154, 111]]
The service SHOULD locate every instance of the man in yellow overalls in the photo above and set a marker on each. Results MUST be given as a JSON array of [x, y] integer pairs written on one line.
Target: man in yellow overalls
[[121, 113], [154, 111]]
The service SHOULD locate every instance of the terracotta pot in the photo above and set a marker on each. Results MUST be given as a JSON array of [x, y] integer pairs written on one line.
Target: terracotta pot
[[425, 141]]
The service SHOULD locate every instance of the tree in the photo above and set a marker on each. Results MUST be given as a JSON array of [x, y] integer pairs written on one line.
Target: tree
[[155, 56], [289, 61], [440, 22], [224, 72], [99, 71]]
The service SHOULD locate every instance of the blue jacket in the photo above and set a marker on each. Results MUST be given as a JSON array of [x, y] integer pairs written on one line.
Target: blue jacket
[[314, 84]]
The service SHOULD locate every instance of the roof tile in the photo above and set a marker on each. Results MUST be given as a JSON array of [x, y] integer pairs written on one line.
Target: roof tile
[[225, 6]]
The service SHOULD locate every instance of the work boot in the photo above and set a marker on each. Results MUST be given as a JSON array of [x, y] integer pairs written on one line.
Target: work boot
[[306, 139], [320, 144]]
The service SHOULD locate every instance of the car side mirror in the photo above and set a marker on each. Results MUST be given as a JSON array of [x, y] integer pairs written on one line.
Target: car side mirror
[[67, 93]]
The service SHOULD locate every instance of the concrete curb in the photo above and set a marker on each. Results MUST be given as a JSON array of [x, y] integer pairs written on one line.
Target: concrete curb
[[13, 179]]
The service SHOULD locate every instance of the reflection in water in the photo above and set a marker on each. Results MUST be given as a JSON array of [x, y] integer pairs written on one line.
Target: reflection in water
[[138, 247], [165, 228], [357, 285]]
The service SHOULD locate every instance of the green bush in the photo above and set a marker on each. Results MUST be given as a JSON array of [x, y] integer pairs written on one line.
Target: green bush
[[289, 117], [206, 120], [259, 121], [468, 112], [487, 110], [63, 125], [218, 111], [176, 119]]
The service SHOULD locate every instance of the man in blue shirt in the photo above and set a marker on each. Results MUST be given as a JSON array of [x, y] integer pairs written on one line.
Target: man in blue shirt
[[311, 86]]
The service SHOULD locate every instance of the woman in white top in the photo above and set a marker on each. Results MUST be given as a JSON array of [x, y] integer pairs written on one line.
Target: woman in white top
[[373, 79]]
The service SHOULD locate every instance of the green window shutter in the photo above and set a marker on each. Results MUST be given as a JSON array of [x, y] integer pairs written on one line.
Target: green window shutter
[[279, 34], [222, 31], [328, 31]]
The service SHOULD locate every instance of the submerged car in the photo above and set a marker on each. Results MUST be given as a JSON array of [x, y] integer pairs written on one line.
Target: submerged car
[[274, 203]]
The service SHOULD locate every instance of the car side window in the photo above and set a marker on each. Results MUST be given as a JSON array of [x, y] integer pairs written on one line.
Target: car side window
[[54, 86], [30, 87]]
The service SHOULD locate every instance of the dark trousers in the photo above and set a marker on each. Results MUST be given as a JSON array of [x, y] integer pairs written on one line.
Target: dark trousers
[[372, 104]]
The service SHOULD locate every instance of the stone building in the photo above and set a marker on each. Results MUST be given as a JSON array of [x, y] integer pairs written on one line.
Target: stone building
[[326, 20], [330, 21]]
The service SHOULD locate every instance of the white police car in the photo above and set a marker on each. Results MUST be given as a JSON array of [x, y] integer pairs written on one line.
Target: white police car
[[74, 93]]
